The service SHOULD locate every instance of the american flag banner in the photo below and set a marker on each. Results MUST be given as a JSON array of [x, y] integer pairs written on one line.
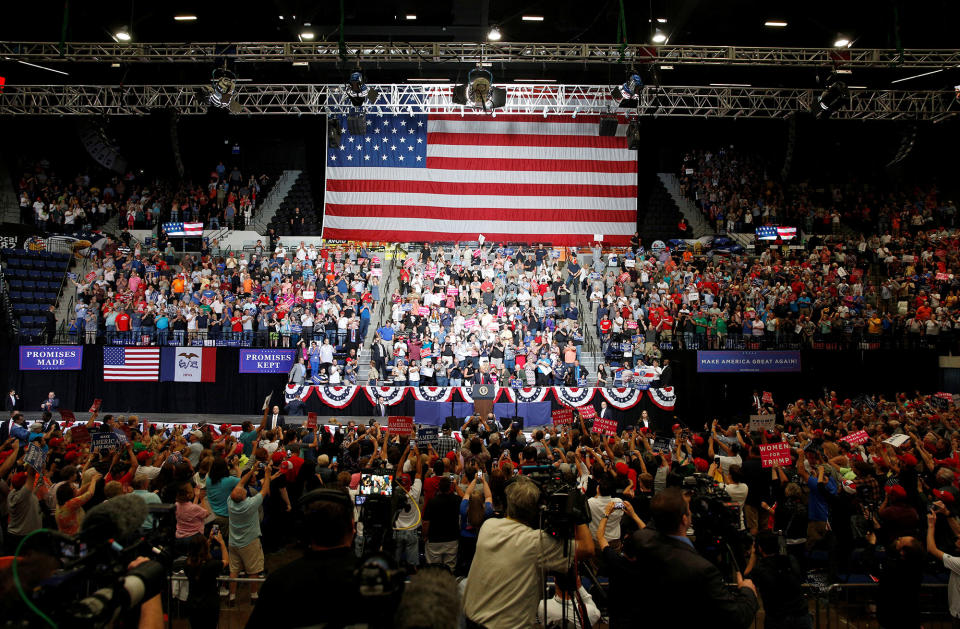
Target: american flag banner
[[183, 229], [769, 232], [512, 178], [131, 363]]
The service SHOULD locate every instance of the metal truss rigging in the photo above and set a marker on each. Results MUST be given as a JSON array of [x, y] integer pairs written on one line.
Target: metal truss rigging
[[321, 99], [446, 52]]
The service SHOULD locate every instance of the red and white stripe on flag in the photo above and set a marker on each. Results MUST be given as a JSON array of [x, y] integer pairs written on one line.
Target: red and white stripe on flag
[[131, 363], [526, 178]]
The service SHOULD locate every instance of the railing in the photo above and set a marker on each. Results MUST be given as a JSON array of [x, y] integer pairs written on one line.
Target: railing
[[831, 606]]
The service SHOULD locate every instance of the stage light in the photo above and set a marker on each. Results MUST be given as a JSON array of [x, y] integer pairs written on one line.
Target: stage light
[[832, 97], [411, 16], [532, 18], [479, 91], [659, 37], [662, 20], [842, 42], [122, 35], [306, 36], [223, 89], [358, 92], [775, 24], [494, 34], [185, 18], [630, 89]]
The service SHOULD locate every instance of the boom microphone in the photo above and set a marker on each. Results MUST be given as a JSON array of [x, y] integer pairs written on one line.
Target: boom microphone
[[118, 518]]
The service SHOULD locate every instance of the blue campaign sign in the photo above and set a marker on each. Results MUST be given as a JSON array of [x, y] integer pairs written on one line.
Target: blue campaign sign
[[748, 362], [266, 360], [427, 436], [51, 357], [103, 441]]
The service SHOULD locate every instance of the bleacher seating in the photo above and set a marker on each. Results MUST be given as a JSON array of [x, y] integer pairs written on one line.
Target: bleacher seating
[[300, 196], [33, 284]]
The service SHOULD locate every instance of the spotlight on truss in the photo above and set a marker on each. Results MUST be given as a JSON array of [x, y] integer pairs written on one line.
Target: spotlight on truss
[[630, 90], [479, 91], [222, 90], [360, 93], [834, 95]]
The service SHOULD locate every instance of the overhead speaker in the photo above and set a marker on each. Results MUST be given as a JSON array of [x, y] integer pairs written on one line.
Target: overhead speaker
[[333, 131], [357, 124], [633, 135], [608, 126]]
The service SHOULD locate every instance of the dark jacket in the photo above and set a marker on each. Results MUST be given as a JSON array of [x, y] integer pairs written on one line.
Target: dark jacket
[[682, 573]]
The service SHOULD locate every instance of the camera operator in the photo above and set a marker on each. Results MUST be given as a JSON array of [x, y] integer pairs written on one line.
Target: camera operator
[[680, 571], [326, 569], [780, 581], [513, 546], [625, 572]]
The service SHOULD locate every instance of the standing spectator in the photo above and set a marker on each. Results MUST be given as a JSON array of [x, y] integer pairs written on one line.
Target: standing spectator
[[441, 525], [203, 602], [246, 552]]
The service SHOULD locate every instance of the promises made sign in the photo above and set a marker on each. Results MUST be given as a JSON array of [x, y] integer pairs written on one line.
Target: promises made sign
[[50, 357]]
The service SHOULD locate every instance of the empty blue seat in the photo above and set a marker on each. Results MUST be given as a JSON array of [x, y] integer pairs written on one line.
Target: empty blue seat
[[29, 285], [26, 296], [16, 284], [53, 265]]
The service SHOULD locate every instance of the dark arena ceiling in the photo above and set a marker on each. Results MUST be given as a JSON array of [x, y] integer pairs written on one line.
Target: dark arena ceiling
[[881, 24]]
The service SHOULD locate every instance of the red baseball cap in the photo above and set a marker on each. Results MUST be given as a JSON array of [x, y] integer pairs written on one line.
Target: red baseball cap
[[278, 456]]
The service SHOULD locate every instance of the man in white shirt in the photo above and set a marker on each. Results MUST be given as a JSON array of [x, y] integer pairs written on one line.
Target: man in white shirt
[[405, 529], [950, 562], [512, 546]]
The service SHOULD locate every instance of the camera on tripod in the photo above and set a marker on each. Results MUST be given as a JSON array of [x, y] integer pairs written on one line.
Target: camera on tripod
[[716, 523], [562, 505]]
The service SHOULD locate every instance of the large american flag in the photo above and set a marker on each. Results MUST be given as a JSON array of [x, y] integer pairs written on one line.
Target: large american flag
[[512, 178], [770, 232], [131, 363]]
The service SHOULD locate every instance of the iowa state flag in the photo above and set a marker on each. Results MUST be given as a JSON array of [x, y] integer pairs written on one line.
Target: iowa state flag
[[188, 364]]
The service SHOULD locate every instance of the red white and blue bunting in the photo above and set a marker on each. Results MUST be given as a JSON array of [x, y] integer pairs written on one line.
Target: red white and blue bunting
[[389, 395], [527, 394], [622, 398], [664, 398], [297, 391], [432, 394], [573, 396], [337, 397]]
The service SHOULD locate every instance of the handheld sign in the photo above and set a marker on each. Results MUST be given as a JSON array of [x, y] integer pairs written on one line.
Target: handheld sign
[[856, 438], [775, 454], [587, 411], [80, 435], [95, 407], [266, 402], [605, 426], [760, 423], [427, 436], [661, 444], [562, 416], [36, 458], [67, 416], [400, 424], [103, 441], [767, 397], [311, 420], [897, 440]]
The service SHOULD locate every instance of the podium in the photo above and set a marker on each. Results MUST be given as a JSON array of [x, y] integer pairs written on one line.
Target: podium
[[483, 396]]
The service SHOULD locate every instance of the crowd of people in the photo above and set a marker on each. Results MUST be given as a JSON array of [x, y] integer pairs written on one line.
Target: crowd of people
[[736, 192], [314, 299], [862, 486], [60, 205]]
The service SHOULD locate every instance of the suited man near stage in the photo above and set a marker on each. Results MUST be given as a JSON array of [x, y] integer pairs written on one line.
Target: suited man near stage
[[666, 374], [272, 418], [7, 425], [605, 411], [380, 409], [12, 402], [482, 376], [296, 407], [378, 353], [51, 404]]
